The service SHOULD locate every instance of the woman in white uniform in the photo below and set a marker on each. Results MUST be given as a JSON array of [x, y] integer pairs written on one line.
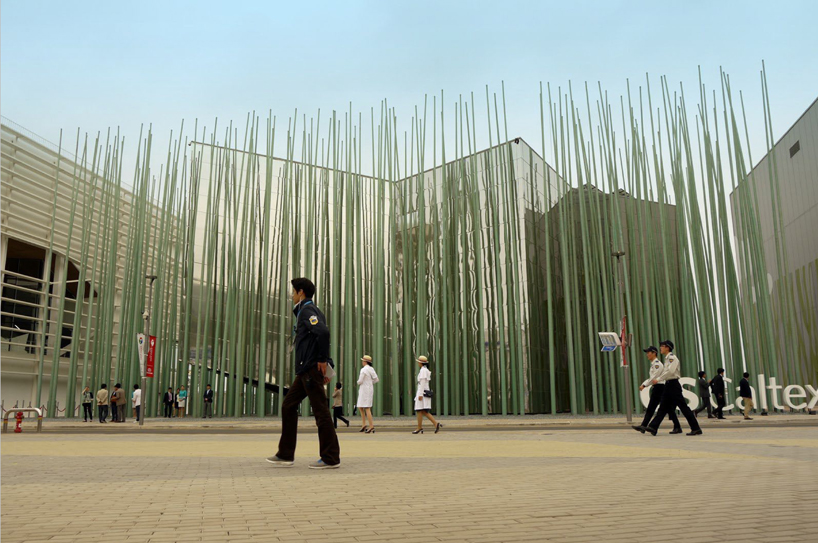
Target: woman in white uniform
[[366, 391], [423, 403]]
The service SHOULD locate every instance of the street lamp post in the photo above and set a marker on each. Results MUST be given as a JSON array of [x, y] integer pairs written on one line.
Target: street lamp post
[[623, 339], [145, 349]]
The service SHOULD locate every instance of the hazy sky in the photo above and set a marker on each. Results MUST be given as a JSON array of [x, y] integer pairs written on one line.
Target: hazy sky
[[94, 65]]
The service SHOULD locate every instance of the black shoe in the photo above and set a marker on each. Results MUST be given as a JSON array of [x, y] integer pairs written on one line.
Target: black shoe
[[638, 428], [650, 430], [720, 418], [695, 433], [710, 417], [420, 431], [748, 418], [676, 431], [438, 427], [347, 424]]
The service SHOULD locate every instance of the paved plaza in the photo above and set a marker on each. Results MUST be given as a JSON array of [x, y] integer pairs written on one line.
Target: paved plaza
[[745, 483]]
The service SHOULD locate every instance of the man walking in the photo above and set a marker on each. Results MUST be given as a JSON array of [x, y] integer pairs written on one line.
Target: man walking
[[102, 403], [311, 338], [718, 388], [704, 395], [208, 402], [672, 397], [746, 395], [656, 393], [168, 400]]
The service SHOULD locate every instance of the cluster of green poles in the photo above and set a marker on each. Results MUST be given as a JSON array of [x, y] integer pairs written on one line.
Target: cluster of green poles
[[496, 264]]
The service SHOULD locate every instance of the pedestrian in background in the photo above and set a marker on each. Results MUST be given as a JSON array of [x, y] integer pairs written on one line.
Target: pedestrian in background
[[115, 403], [366, 393], [656, 392], [168, 400], [311, 337], [208, 402], [136, 400], [87, 404], [102, 403], [718, 388], [746, 394], [338, 406], [181, 401], [121, 403], [704, 395], [423, 396]]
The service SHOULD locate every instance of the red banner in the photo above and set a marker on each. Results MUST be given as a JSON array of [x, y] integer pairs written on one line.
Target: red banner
[[151, 357]]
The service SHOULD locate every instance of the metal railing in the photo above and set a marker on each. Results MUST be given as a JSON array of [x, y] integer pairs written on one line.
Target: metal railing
[[24, 409]]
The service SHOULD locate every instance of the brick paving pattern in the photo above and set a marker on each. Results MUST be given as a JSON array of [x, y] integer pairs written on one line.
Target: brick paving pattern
[[747, 484]]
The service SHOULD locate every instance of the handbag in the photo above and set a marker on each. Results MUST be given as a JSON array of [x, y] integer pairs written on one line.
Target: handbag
[[428, 393]]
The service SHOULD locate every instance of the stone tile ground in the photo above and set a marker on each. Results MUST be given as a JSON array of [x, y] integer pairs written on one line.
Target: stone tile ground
[[753, 484]]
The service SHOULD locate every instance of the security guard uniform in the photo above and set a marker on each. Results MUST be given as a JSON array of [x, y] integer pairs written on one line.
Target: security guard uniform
[[672, 396], [656, 369]]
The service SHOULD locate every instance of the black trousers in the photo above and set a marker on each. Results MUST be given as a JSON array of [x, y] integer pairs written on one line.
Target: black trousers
[[671, 399], [655, 399], [137, 409], [103, 413], [720, 403], [168, 410], [338, 414], [114, 413], [87, 412], [705, 405], [310, 384]]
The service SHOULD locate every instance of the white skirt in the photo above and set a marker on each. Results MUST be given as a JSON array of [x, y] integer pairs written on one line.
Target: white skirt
[[423, 404], [182, 403], [366, 392]]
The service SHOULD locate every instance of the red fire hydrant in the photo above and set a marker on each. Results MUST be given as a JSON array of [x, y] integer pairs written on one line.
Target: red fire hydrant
[[19, 428]]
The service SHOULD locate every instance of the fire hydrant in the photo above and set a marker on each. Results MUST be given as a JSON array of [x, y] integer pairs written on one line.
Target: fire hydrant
[[19, 427]]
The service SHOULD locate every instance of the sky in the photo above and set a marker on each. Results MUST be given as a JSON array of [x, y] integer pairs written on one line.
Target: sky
[[98, 65]]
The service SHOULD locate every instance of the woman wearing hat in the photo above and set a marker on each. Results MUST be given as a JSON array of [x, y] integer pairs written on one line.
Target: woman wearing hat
[[366, 391], [423, 401]]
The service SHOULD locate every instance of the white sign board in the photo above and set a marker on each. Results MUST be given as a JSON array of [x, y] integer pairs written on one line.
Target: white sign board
[[610, 341]]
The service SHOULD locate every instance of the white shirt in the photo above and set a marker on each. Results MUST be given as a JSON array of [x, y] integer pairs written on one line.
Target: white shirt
[[672, 369], [137, 397], [656, 369]]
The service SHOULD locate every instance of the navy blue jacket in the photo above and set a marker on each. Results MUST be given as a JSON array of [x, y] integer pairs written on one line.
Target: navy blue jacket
[[311, 337], [744, 388], [717, 385]]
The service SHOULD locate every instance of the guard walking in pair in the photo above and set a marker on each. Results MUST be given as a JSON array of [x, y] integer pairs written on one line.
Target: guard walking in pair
[[672, 397], [656, 368]]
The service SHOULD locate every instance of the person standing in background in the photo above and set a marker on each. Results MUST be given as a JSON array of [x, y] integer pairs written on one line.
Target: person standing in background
[[121, 403], [168, 400], [136, 398], [87, 404], [208, 402], [102, 402], [181, 400], [115, 403]]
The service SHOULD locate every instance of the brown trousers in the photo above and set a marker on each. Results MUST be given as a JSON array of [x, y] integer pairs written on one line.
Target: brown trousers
[[310, 384]]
